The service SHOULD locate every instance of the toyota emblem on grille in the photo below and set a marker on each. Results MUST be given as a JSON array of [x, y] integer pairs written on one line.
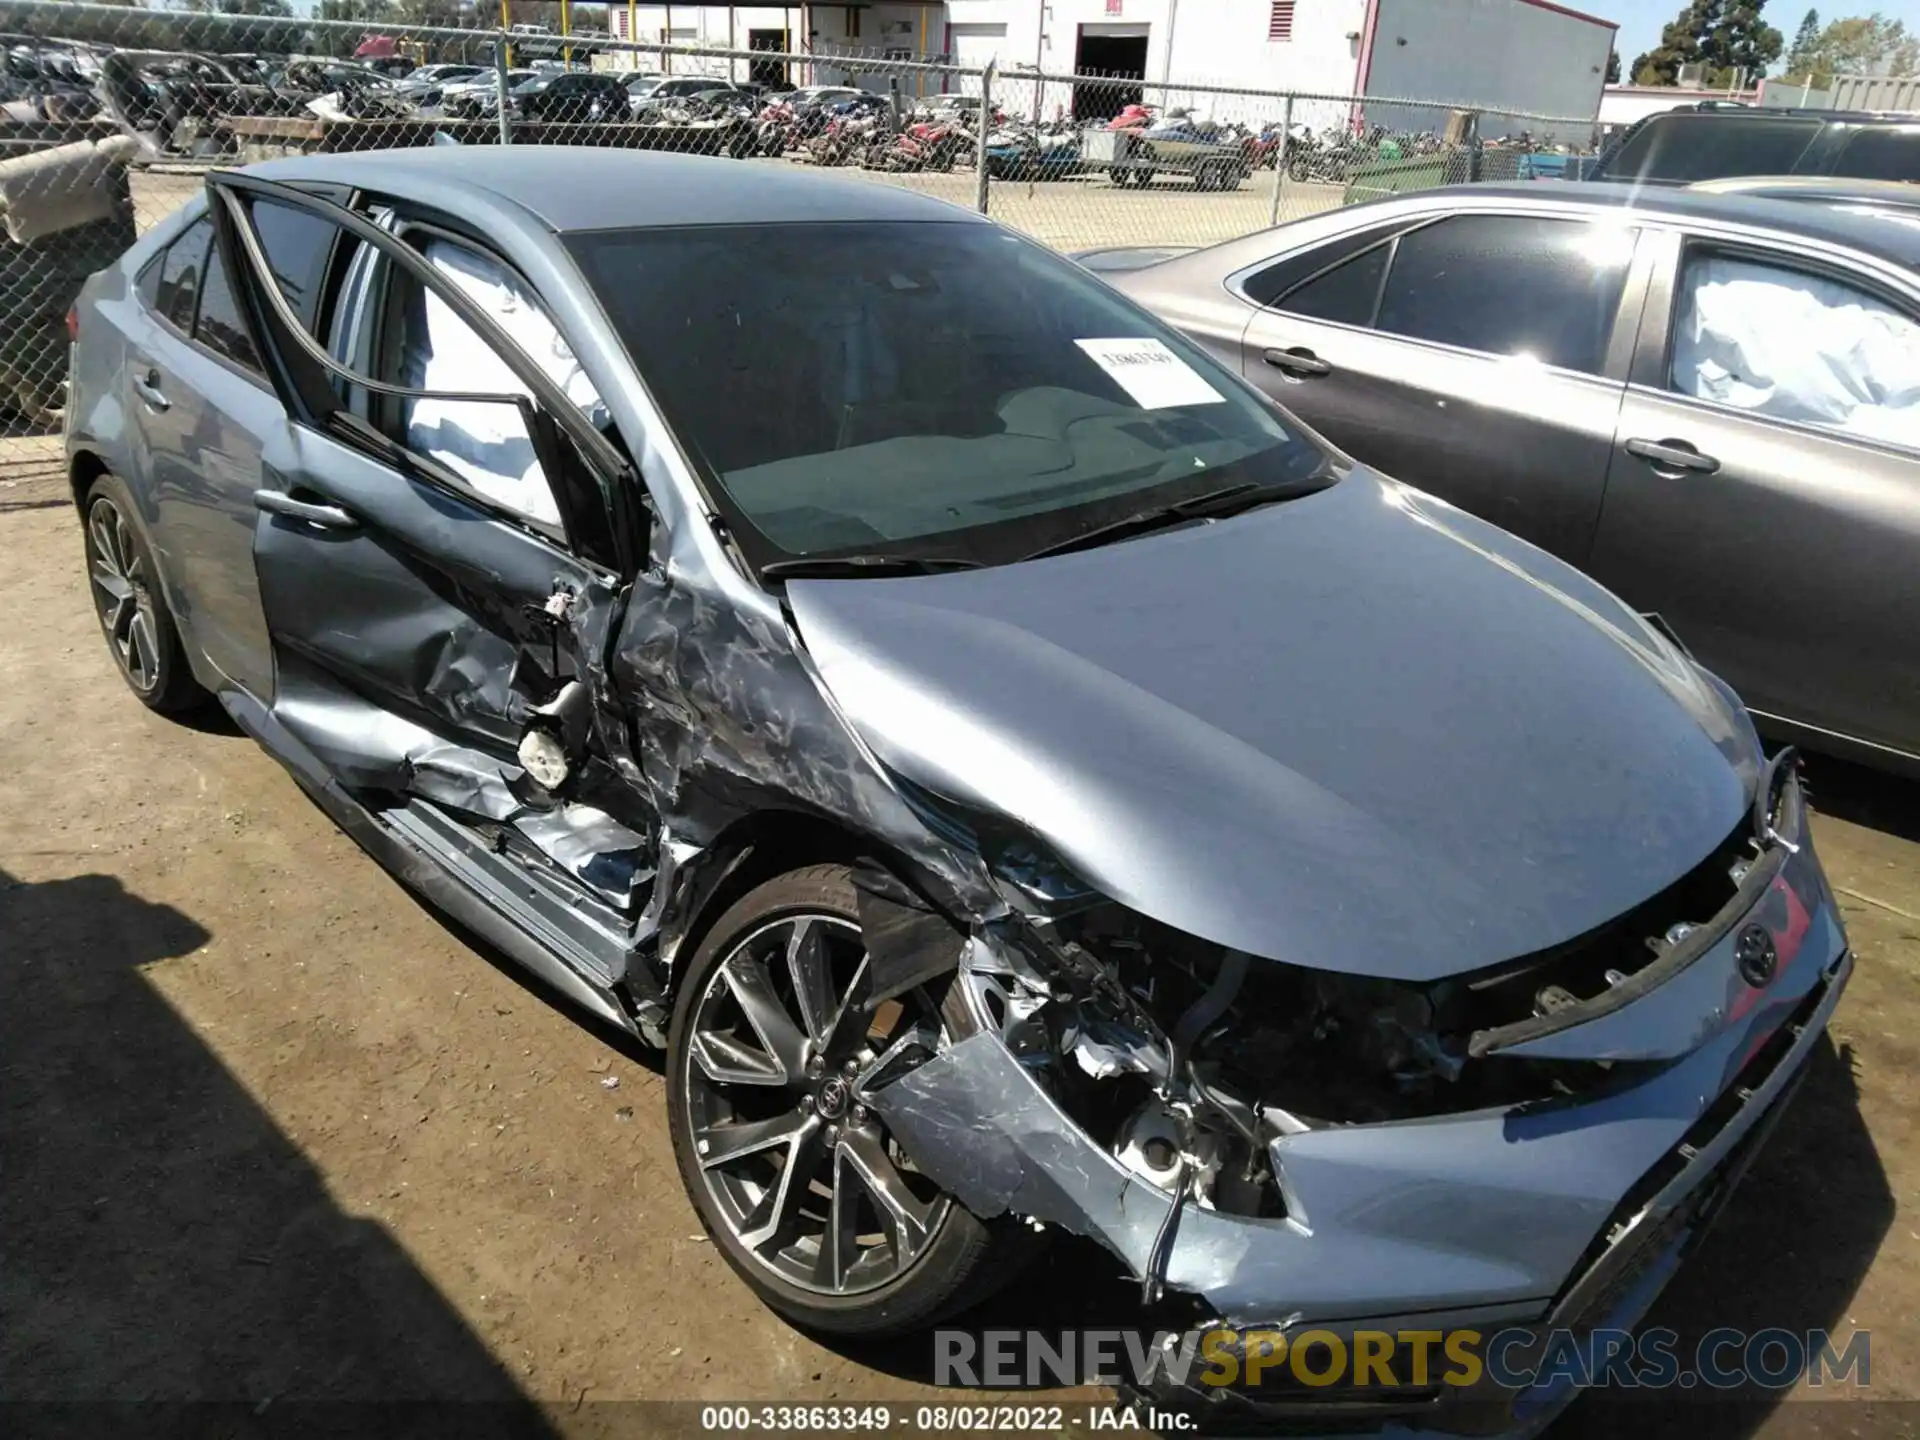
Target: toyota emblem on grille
[[1755, 955]]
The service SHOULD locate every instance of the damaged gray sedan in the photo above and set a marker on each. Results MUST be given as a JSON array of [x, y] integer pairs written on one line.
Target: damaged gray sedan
[[1023, 778]]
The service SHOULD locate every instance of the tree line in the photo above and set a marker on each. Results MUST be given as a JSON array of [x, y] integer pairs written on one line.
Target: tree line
[[1734, 46]]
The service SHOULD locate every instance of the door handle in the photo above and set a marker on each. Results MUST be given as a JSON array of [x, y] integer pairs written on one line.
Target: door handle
[[323, 517], [147, 387], [1671, 457], [1297, 361]]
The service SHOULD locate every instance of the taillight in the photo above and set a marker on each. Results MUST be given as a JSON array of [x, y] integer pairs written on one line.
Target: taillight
[[73, 325]]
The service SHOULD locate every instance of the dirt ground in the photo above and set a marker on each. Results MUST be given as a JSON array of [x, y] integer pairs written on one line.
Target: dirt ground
[[270, 1130]]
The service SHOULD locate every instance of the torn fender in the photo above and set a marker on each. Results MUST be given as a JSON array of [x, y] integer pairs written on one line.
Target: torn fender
[[1487, 1208]]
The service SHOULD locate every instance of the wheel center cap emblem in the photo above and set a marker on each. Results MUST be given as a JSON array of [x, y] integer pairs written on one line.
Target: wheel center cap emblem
[[1756, 956], [832, 1100]]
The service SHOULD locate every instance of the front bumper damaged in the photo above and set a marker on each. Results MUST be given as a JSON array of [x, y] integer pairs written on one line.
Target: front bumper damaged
[[1571, 1212]]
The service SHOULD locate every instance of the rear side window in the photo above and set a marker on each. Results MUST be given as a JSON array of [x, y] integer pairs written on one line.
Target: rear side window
[[1510, 285], [1346, 294], [177, 297], [298, 244], [1891, 153], [1265, 287], [1680, 149], [220, 327]]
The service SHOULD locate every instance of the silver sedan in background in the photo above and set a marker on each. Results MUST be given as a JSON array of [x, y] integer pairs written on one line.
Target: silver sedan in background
[[1711, 402]]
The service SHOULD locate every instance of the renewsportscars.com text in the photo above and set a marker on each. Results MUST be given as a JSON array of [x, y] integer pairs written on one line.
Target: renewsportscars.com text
[[1383, 1359]]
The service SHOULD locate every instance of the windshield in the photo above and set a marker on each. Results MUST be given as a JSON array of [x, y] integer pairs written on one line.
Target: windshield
[[1675, 149], [922, 388]]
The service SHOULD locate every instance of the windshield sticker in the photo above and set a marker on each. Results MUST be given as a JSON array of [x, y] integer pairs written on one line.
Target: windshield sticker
[[1152, 374]]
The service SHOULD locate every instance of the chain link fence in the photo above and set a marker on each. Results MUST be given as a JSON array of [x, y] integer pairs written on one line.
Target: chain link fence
[[111, 115]]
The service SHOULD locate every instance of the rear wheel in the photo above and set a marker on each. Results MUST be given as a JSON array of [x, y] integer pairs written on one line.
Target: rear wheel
[[773, 1057], [133, 614]]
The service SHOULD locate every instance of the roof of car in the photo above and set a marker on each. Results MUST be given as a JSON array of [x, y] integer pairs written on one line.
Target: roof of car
[[1815, 187], [1889, 237], [1764, 112], [592, 188]]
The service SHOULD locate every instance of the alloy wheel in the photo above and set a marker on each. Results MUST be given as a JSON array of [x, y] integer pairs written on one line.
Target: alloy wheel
[[122, 595], [783, 1056]]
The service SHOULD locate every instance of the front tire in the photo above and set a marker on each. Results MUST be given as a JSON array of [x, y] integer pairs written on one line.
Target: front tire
[[124, 585], [798, 1183]]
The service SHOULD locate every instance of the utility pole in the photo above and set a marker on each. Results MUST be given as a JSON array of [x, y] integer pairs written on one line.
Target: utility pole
[[1039, 63]]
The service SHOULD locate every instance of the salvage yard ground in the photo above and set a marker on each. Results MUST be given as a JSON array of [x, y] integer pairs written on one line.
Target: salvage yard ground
[[271, 1131]]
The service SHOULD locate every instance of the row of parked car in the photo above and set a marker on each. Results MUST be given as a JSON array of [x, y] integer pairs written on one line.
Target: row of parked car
[[1701, 387]]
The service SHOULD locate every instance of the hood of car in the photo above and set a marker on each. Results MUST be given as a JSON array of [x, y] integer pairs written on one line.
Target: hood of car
[[1360, 731]]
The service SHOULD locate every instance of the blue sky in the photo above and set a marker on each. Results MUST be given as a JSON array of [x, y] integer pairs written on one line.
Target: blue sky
[[1641, 21]]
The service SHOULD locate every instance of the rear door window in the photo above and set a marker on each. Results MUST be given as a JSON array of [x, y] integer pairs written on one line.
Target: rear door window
[[1679, 149], [1510, 285], [1881, 153], [298, 245], [220, 326], [177, 297]]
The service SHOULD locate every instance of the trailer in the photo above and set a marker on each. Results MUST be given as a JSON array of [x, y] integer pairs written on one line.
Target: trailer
[[1135, 156]]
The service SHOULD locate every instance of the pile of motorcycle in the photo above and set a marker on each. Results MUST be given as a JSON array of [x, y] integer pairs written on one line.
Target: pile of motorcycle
[[861, 130]]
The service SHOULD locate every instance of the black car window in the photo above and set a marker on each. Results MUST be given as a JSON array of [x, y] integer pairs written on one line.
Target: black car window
[[1763, 335], [1346, 294], [178, 295], [1679, 149], [940, 387], [298, 245], [1510, 285], [1267, 285], [220, 326], [1881, 153]]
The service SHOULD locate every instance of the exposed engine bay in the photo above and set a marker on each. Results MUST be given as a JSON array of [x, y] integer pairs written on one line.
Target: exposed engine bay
[[1186, 1061]]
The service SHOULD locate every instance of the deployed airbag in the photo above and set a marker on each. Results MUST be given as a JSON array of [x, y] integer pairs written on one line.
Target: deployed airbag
[[1797, 347], [486, 444]]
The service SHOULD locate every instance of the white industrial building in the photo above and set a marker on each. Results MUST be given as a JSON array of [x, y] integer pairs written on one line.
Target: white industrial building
[[1529, 56], [1624, 105]]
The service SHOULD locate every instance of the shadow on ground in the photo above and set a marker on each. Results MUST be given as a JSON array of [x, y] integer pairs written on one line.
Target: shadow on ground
[[160, 1238], [1789, 1250], [1874, 799]]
